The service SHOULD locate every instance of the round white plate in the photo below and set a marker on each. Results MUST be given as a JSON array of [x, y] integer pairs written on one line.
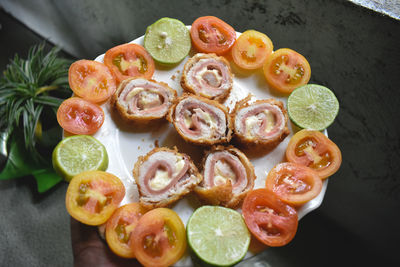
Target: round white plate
[[125, 143]]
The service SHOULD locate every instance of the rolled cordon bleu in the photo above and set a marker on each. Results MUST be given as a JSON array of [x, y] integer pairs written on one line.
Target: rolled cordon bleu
[[262, 122], [143, 100], [200, 120], [163, 176], [228, 176], [207, 75]]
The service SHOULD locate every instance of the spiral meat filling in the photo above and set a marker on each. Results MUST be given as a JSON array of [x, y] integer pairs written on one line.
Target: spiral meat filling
[[163, 176], [200, 120], [228, 176], [207, 75], [263, 122], [142, 99]]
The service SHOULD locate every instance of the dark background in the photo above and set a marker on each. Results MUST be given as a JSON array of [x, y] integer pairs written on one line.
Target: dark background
[[352, 50]]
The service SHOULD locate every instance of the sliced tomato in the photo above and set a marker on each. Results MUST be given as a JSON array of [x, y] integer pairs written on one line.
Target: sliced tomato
[[251, 50], [271, 221], [160, 238], [285, 70], [212, 35], [79, 116], [93, 196], [129, 60], [313, 149], [293, 183], [119, 229], [91, 80]]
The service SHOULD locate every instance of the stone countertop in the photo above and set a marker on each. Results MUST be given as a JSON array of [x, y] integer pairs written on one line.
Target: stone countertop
[[352, 50]]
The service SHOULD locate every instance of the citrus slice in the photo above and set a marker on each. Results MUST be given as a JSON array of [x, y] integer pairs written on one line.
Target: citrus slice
[[168, 41], [218, 235], [79, 153], [312, 107]]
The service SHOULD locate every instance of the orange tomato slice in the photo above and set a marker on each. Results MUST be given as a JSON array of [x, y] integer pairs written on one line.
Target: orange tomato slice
[[160, 238], [251, 49], [91, 80], [285, 70], [313, 149], [93, 196], [212, 35], [119, 229], [293, 183], [129, 60]]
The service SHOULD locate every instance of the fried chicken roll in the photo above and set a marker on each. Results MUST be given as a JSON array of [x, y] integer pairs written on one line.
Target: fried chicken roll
[[142, 100], [163, 176], [227, 177], [200, 121], [263, 122], [207, 75]]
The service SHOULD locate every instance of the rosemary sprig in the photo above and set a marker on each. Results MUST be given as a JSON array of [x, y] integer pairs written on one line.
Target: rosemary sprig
[[30, 88]]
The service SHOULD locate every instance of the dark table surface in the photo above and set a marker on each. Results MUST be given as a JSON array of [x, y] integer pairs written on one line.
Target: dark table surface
[[352, 50]]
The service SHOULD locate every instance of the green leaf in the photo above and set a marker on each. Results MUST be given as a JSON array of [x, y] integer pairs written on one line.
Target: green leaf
[[46, 179]]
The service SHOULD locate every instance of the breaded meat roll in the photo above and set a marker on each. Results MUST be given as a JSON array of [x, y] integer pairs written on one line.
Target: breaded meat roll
[[207, 75], [142, 100], [163, 176], [200, 121], [227, 177], [263, 122]]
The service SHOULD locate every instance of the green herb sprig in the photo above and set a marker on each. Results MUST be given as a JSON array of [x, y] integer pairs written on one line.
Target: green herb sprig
[[30, 88]]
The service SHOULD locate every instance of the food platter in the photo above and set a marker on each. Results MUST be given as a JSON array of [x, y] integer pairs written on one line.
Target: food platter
[[125, 143]]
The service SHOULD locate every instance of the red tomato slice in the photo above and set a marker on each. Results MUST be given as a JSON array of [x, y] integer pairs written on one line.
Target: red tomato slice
[[78, 116], [251, 50], [313, 149], [93, 196], [285, 70], [293, 183], [91, 80], [271, 221], [119, 229], [212, 35], [160, 238], [129, 60]]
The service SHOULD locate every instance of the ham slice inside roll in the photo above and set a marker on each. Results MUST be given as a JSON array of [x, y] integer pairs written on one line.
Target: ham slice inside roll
[[163, 176], [201, 120], [207, 75], [144, 99], [228, 176]]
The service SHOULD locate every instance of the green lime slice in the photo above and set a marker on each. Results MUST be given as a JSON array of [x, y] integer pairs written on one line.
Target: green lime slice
[[168, 41], [312, 106], [218, 235], [79, 153]]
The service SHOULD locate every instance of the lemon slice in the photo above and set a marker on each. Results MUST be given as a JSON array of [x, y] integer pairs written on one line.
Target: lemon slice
[[79, 153], [313, 107], [168, 41], [218, 235]]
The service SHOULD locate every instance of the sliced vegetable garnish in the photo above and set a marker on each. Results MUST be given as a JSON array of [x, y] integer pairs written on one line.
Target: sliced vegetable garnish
[[91, 80], [251, 50], [212, 35], [129, 60], [313, 149], [93, 196], [271, 221], [159, 238], [168, 41], [285, 70]]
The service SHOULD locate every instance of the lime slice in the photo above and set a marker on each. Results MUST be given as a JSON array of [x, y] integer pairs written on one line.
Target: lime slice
[[218, 235], [79, 153], [312, 107], [168, 41]]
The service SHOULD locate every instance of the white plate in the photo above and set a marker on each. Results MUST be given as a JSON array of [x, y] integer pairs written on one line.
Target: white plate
[[125, 144]]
